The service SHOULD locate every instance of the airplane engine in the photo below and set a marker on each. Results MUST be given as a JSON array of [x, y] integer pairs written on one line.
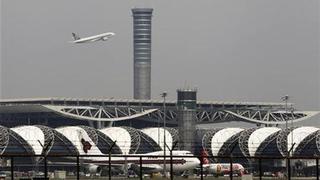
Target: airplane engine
[[104, 38], [93, 169], [215, 169], [147, 168]]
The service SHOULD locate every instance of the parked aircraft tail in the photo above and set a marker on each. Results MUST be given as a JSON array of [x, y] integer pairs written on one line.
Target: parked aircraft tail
[[204, 157], [75, 36]]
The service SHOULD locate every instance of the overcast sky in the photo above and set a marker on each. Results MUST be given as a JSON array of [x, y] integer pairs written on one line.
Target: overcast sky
[[240, 50]]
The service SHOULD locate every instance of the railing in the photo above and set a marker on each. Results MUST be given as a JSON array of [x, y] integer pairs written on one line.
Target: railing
[[126, 166]]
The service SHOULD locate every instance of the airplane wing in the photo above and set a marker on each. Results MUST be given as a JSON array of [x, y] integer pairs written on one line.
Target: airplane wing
[[146, 168], [65, 163], [83, 40], [135, 161]]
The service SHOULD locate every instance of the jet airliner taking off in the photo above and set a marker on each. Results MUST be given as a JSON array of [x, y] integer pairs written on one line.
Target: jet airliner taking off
[[99, 37]]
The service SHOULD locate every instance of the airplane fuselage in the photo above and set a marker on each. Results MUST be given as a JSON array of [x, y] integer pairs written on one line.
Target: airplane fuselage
[[151, 163], [157, 164], [223, 168], [103, 37]]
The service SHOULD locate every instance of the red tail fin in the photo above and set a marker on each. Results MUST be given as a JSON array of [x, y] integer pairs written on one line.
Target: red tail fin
[[85, 145], [204, 157]]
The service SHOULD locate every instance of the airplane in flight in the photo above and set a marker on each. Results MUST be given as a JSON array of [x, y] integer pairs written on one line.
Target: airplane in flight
[[99, 37]]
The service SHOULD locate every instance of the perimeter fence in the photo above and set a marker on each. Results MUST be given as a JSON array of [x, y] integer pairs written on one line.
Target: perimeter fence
[[151, 166]]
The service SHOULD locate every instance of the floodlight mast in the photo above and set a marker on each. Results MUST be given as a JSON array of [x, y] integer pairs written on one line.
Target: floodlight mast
[[164, 95], [286, 99], [289, 151]]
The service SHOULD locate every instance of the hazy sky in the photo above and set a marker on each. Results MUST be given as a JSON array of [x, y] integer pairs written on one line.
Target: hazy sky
[[240, 50]]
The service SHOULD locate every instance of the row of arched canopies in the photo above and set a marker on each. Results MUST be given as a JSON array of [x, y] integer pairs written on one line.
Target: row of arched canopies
[[266, 141], [84, 140]]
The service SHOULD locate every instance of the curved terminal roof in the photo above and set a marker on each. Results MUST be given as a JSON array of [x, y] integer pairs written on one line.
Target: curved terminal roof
[[157, 134], [222, 136], [258, 137], [309, 146], [83, 140], [80, 139], [56, 143], [121, 136], [243, 140], [16, 144], [4, 139], [298, 135], [102, 141], [94, 109], [33, 135], [174, 133]]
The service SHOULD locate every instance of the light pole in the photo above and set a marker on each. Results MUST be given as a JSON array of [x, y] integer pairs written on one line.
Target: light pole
[[286, 99], [292, 109], [159, 119], [164, 95]]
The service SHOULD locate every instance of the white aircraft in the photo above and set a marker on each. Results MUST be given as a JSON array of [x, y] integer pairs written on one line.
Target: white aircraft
[[156, 164], [221, 168], [152, 164], [99, 37]]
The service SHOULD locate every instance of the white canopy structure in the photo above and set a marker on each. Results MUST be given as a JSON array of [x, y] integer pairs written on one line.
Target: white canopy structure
[[298, 136], [221, 137], [80, 139], [157, 134], [84, 140], [214, 140], [33, 135], [258, 137], [121, 136]]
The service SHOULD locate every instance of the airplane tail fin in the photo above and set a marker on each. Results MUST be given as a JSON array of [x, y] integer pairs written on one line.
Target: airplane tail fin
[[86, 146], [204, 157], [75, 36]]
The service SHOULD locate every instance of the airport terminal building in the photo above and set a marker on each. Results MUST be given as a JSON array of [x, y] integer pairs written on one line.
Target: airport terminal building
[[99, 113], [65, 126], [180, 117]]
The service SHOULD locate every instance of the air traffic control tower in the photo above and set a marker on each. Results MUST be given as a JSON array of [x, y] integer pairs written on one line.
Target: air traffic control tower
[[142, 52], [186, 117]]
